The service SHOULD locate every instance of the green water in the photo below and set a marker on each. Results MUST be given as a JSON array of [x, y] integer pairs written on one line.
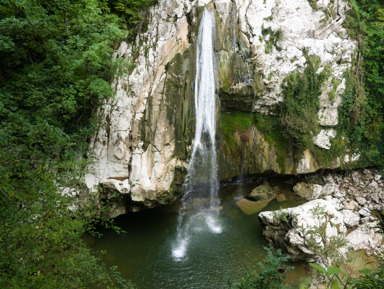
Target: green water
[[144, 253]]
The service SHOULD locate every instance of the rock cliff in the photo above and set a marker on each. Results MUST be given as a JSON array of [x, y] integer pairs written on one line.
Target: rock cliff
[[265, 51]]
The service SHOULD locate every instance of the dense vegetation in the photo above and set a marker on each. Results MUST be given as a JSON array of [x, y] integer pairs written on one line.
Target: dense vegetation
[[55, 69], [362, 112], [361, 115]]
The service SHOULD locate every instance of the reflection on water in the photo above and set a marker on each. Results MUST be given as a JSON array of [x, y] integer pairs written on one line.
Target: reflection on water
[[144, 253]]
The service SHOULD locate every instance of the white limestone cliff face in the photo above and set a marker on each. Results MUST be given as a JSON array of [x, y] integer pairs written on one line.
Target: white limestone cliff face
[[141, 143], [120, 153]]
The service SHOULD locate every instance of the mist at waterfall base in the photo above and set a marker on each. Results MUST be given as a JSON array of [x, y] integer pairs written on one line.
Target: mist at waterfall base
[[201, 182], [144, 253]]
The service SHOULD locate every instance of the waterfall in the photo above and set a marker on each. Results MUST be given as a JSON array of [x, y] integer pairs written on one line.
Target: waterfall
[[202, 174]]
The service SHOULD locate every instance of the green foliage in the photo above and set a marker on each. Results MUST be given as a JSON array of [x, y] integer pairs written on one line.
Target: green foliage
[[132, 11], [270, 275], [301, 104], [362, 113], [55, 70], [272, 37], [331, 273], [283, 216], [335, 268], [370, 279], [335, 278], [297, 123], [335, 85], [40, 237]]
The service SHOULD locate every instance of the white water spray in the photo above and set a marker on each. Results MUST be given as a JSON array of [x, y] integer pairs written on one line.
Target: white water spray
[[202, 174]]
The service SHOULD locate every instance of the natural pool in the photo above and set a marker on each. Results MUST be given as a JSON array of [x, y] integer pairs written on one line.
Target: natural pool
[[144, 253]]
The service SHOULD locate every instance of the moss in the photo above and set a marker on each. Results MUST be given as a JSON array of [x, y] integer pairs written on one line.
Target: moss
[[272, 37], [298, 113], [313, 4], [232, 122], [270, 127], [335, 85], [237, 123]]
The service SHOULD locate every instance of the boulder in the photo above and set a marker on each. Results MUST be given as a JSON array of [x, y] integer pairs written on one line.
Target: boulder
[[365, 237], [308, 191], [350, 205], [292, 228], [361, 201], [252, 207], [262, 192], [351, 219]]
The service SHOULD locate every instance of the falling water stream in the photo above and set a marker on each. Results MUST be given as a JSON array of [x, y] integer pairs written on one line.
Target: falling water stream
[[201, 182]]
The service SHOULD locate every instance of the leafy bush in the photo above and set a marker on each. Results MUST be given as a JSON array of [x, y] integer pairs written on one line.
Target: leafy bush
[[301, 103], [133, 13], [270, 275]]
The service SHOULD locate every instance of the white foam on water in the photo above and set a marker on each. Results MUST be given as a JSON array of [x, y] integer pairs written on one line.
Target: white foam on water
[[180, 250], [213, 224]]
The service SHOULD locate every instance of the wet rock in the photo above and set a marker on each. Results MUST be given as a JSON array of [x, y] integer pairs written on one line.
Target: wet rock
[[281, 198], [252, 207], [323, 139], [122, 186], [332, 189], [364, 237], [374, 184], [308, 191], [262, 192], [356, 177]]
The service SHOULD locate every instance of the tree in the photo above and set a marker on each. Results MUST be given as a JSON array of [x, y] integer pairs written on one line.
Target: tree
[[56, 66]]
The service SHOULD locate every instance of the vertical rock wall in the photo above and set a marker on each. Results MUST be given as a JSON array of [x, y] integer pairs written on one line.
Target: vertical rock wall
[[141, 149]]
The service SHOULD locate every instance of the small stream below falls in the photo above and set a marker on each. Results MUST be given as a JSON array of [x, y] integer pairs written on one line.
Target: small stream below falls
[[144, 253]]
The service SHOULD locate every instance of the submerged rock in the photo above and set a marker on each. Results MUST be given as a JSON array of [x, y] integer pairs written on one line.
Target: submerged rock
[[252, 207], [262, 192], [308, 191]]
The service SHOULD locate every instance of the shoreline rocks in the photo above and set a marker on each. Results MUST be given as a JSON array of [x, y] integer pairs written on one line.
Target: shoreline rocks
[[340, 209]]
